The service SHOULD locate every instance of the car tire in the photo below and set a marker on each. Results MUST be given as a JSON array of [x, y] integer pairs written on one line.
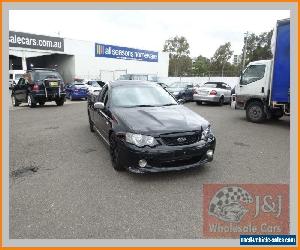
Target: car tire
[[30, 101], [199, 102], [221, 101], [114, 153], [60, 102], [15, 102], [255, 112], [41, 103]]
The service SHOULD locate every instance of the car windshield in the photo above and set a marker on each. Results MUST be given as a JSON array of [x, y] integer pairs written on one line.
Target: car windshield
[[42, 75], [140, 96], [210, 85]]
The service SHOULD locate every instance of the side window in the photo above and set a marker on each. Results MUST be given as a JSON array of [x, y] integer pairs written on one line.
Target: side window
[[105, 99], [252, 74], [220, 85], [223, 86], [102, 94]]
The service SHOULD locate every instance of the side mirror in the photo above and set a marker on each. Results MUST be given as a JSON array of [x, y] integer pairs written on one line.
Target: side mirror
[[99, 105], [180, 101]]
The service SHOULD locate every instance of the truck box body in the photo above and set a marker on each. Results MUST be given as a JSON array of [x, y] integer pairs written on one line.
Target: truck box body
[[281, 69]]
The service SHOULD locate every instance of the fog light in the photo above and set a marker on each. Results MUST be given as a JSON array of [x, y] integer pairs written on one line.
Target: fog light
[[142, 163], [210, 154]]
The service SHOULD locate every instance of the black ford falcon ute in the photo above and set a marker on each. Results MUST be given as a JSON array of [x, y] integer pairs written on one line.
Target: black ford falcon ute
[[147, 130]]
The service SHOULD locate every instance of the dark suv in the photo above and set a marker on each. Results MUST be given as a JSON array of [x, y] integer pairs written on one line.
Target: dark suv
[[39, 86]]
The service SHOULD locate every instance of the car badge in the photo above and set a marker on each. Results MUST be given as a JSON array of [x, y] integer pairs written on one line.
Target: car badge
[[181, 139]]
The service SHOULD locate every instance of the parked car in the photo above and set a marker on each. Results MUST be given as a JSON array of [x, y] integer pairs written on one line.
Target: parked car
[[39, 86], [76, 91], [91, 82], [216, 92], [181, 90], [147, 130], [94, 86]]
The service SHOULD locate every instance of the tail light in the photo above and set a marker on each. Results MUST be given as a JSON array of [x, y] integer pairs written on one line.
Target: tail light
[[35, 87], [213, 92]]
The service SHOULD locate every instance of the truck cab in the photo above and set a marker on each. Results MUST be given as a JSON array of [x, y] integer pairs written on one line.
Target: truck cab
[[264, 87], [254, 84]]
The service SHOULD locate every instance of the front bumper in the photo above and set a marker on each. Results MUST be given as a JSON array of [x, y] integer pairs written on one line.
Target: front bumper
[[206, 98], [165, 158]]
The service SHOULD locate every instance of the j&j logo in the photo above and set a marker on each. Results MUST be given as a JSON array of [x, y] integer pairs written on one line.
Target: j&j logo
[[227, 204], [232, 210]]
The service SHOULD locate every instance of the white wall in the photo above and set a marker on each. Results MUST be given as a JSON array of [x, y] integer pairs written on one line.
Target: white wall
[[89, 66], [232, 81]]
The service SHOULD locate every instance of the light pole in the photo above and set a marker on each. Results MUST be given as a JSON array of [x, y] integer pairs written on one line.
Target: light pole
[[244, 50]]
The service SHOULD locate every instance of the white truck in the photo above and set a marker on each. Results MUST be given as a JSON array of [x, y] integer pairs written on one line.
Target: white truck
[[264, 88]]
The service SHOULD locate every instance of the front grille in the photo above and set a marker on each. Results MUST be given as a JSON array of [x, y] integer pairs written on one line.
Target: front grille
[[178, 139]]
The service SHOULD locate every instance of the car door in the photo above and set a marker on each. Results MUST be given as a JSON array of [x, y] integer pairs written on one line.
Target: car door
[[102, 117], [20, 90]]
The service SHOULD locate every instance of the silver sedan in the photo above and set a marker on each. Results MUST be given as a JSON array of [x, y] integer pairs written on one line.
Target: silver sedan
[[217, 92]]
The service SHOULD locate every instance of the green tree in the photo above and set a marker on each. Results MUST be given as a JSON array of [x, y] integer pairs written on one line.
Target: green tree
[[258, 46], [221, 57], [201, 66], [180, 62]]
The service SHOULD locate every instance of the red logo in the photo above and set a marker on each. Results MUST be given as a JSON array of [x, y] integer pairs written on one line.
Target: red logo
[[232, 210]]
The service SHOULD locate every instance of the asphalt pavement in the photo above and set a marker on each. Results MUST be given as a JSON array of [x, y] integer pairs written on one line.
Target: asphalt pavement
[[62, 183]]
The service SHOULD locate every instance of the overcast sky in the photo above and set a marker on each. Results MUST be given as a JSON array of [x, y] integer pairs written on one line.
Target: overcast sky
[[205, 30]]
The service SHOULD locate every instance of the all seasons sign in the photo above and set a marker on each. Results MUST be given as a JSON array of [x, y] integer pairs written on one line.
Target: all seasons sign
[[110, 51], [26, 40]]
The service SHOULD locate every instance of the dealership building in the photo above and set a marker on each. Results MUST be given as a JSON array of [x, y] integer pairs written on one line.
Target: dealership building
[[77, 59]]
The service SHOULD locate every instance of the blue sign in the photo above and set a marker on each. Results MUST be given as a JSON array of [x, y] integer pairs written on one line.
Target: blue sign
[[110, 51]]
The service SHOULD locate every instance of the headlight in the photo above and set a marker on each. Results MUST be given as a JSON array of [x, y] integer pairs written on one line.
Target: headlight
[[140, 140], [206, 133]]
